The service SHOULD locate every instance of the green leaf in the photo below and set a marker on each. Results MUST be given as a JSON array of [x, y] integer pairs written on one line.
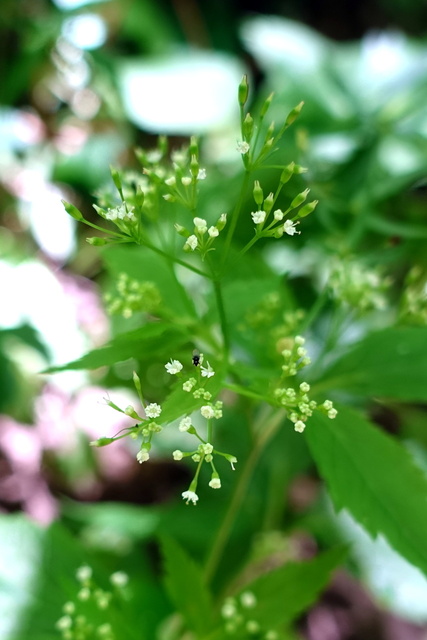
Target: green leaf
[[285, 593], [390, 363], [156, 339], [375, 478], [186, 588]]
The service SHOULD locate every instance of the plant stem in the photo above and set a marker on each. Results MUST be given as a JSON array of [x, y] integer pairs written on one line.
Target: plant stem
[[235, 218], [174, 259], [222, 317], [223, 534]]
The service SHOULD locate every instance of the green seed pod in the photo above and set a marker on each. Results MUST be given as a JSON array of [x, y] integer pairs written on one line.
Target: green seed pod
[[307, 209], [287, 173], [299, 199], [97, 242], [258, 193], [116, 178], [243, 91], [248, 127], [265, 107], [293, 115]]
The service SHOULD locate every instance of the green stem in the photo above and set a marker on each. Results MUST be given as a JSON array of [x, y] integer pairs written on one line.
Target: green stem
[[174, 259], [235, 218], [315, 309], [223, 534], [222, 317]]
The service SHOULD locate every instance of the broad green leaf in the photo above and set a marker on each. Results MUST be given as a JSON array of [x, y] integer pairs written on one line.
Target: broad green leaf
[[390, 363], [375, 478], [282, 595], [142, 264], [154, 339], [184, 583]]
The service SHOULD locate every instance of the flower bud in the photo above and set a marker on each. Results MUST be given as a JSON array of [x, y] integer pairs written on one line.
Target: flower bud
[[287, 173], [243, 91], [116, 178], [268, 203], [95, 241], [194, 147], [181, 230], [258, 193], [299, 199], [265, 107], [222, 221], [194, 166], [299, 169], [101, 442], [248, 126], [293, 115], [307, 209], [72, 210]]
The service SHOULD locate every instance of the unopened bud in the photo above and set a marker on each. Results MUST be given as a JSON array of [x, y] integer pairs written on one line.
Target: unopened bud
[[243, 90], [258, 193], [194, 147], [248, 126], [72, 210], [194, 166], [299, 199], [307, 209], [222, 221], [116, 178], [101, 442], [293, 115], [265, 107], [268, 203], [287, 173], [299, 169], [181, 230], [95, 241]]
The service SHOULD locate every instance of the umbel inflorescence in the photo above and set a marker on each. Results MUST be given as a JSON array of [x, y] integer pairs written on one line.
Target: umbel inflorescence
[[159, 209]]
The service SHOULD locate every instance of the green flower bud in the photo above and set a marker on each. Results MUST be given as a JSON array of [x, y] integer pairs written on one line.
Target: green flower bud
[[258, 193], [116, 178], [293, 115], [194, 147], [299, 199], [307, 209], [243, 90], [194, 166], [287, 173], [72, 210], [182, 230], [101, 442], [268, 202], [278, 231], [266, 105], [95, 241], [248, 127], [299, 169]]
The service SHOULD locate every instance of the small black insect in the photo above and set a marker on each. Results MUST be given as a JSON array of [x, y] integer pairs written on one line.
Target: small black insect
[[196, 358]]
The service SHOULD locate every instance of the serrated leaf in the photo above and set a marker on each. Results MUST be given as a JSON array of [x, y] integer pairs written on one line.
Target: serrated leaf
[[156, 338], [375, 478], [390, 363], [186, 588]]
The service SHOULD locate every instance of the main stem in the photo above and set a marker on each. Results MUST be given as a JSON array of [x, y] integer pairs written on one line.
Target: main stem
[[241, 487], [235, 218]]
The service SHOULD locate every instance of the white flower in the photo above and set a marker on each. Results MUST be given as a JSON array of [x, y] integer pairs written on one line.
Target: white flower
[[177, 454], [299, 426], [202, 174], [215, 483], [213, 232], [170, 181], [207, 448], [153, 410], [242, 147], [83, 574], [200, 224], [64, 623], [258, 217], [207, 411], [191, 242], [248, 599], [332, 413], [119, 579], [305, 387], [278, 214], [185, 424], [223, 218], [190, 496], [328, 404], [186, 181], [189, 384], [289, 227], [207, 372], [173, 367], [142, 456]]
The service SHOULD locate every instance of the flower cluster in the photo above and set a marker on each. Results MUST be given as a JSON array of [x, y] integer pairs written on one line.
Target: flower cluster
[[362, 289], [413, 306], [74, 623], [297, 401], [202, 236], [239, 616], [133, 296]]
